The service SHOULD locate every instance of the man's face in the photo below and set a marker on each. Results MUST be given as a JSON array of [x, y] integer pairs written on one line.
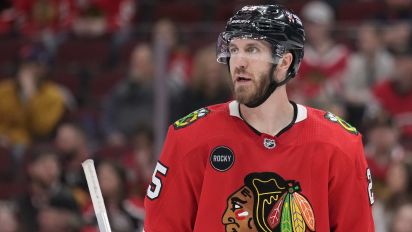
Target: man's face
[[238, 216], [250, 64], [404, 71], [141, 63], [45, 171], [30, 74], [67, 138]]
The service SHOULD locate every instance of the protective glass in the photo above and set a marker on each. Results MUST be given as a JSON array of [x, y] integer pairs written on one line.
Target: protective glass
[[225, 51]]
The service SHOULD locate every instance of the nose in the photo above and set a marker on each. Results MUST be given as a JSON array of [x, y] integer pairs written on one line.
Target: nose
[[239, 62], [228, 219]]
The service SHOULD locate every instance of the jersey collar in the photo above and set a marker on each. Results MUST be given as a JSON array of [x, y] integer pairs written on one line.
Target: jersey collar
[[302, 113]]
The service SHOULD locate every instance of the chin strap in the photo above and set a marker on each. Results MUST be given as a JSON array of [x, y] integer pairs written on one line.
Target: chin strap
[[271, 88]]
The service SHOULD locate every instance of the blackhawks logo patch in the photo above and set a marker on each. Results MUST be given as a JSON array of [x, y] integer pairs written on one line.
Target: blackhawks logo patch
[[265, 203], [333, 118], [191, 118]]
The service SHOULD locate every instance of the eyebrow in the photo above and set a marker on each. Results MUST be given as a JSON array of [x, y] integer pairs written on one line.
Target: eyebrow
[[250, 44], [237, 199]]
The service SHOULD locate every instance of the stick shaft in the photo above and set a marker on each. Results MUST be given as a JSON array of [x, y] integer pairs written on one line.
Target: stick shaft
[[96, 195]]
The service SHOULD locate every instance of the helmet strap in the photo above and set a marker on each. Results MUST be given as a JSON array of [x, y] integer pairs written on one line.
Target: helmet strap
[[271, 88], [273, 85]]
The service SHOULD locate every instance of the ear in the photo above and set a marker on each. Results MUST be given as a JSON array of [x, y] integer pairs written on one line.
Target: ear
[[283, 66], [286, 61]]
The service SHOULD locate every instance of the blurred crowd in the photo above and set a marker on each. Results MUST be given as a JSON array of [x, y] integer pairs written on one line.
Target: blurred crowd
[[79, 79]]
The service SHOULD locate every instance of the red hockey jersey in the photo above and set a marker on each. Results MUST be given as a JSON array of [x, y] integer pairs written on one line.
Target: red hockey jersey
[[216, 173]]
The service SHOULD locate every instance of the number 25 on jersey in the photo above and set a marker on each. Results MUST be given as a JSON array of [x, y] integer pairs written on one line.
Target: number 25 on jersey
[[153, 191]]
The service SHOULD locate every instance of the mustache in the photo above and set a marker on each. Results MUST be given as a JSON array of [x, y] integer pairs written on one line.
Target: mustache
[[241, 70]]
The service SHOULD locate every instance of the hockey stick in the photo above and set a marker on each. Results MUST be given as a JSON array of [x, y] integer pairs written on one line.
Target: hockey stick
[[96, 195]]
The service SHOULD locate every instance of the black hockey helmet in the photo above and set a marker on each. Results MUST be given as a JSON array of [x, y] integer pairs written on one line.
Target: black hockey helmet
[[272, 23]]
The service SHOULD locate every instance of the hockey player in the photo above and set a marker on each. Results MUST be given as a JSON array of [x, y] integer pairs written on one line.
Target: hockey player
[[261, 162]]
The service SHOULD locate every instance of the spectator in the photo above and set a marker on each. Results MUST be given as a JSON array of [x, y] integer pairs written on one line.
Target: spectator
[[131, 102], [32, 105], [402, 221], [325, 61], [8, 217], [45, 20], [179, 63], [391, 194], [57, 217], [382, 148], [398, 36], [399, 185], [209, 83], [102, 17], [99, 17], [71, 143], [139, 162], [44, 190], [125, 214], [7, 16], [395, 10], [395, 20], [369, 65], [395, 96]]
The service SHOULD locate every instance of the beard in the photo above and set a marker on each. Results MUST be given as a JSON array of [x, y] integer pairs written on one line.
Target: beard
[[252, 93]]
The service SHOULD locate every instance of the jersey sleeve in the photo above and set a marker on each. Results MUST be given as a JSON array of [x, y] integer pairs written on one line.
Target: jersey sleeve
[[172, 196], [350, 191]]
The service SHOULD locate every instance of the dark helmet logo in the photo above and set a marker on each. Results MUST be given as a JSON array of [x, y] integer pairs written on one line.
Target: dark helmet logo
[[268, 203]]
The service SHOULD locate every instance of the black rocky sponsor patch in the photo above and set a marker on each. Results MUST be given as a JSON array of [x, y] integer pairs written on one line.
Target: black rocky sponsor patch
[[222, 158]]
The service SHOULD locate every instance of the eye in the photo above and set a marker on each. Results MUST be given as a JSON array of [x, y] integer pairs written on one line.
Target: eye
[[233, 50], [235, 206], [252, 50]]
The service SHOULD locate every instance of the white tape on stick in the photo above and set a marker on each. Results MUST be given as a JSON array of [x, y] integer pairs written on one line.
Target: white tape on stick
[[96, 195]]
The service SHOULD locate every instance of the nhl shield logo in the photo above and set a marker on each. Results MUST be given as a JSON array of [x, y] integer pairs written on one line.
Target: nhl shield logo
[[269, 143]]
